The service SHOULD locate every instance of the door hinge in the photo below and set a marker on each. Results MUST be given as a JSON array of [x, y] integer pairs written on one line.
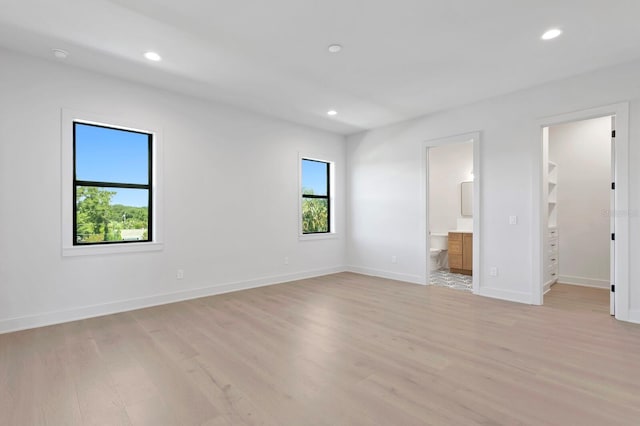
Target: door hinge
[[613, 237], [613, 288], [613, 186], [613, 133]]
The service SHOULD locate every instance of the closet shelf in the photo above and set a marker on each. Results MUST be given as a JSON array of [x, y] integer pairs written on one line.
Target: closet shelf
[[552, 258]]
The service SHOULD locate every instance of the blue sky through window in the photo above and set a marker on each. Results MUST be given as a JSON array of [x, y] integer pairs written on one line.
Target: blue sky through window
[[314, 176], [113, 155]]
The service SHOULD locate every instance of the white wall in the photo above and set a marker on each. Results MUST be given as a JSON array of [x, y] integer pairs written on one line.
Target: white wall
[[213, 230], [582, 151], [230, 192], [385, 181], [448, 166]]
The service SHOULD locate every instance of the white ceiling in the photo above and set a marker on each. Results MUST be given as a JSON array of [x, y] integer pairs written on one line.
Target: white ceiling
[[401, 58]]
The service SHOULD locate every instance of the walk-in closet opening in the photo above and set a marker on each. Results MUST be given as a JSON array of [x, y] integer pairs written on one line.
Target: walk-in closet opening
[[578, 188]]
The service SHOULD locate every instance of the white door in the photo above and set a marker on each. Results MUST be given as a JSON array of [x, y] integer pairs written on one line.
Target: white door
[[612, 217]]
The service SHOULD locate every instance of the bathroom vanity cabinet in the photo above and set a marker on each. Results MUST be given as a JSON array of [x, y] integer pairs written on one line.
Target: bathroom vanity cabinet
[[461, 252]]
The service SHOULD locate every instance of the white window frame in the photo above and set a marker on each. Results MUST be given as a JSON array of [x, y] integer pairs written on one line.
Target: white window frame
[[332, 205], [68, 118]]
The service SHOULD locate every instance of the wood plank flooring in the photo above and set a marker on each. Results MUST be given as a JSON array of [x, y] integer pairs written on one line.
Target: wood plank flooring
[[343, 349], [577, 298]]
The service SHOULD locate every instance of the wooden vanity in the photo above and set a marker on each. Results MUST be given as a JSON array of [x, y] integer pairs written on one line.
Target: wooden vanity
[[461, 252]]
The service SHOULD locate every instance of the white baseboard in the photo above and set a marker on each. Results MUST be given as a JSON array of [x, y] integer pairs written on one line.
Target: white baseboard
[[582, 281], [50, 318], [409, 278], [547, 286], [634, 316], [511, 296]]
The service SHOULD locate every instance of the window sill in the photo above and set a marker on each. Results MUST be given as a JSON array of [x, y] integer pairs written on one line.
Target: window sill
[[312, 237], [111, 249]]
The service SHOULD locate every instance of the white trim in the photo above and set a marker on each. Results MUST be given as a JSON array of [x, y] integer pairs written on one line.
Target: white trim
[[475, 138], [322, 236], [508, 295], [634, 316], [397, 276], [100, 249], [67, 117], [621, 112], [332, 234], [79, 313], [548, 285], [583, 281]]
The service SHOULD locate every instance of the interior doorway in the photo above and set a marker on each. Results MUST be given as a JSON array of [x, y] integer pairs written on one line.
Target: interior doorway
[[610, 213], [578, 186], [452, 210]]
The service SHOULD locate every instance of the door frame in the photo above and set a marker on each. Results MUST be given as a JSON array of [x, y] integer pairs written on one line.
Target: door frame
[[612, 222], [621, 212], [474, 138]]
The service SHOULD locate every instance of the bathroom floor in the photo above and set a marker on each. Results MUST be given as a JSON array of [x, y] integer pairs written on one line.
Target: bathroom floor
[[444, 278]]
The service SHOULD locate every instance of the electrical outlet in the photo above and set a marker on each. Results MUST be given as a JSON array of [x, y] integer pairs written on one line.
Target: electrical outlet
[[180, 274], [286, 260], [493, 271], [394, 259], [513, 220]]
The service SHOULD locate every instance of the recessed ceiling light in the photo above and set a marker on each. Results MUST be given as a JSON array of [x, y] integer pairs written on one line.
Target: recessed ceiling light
[[332, 112], [334, 48], [60, 54], [551, 34], [152, 56]]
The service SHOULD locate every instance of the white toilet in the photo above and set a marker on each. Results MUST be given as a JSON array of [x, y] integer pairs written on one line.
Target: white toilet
[[438, 258]]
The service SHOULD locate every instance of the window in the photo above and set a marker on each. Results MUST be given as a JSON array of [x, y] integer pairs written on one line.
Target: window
[[316, 196], [112, 185]]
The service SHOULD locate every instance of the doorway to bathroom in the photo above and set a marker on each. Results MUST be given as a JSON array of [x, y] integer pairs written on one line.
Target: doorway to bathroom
[[584, 209], [452, 210]]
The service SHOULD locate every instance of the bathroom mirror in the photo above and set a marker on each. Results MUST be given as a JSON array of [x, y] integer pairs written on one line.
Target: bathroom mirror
[[466, 204]]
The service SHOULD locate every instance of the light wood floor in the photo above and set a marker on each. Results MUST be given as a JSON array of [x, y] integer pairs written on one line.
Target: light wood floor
[[338, 350]]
